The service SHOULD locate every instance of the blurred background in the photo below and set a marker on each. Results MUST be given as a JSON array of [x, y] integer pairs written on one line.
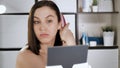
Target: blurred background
[[14, 22]]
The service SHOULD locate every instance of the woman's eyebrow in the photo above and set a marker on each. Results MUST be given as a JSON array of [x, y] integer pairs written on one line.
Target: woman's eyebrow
[[45, 17], [49, 16], [35, 17]]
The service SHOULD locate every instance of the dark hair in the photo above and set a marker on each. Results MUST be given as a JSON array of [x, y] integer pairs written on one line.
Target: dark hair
[[33, 42]]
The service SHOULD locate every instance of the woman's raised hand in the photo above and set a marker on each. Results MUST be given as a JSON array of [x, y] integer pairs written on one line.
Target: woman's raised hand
[[67, 36]]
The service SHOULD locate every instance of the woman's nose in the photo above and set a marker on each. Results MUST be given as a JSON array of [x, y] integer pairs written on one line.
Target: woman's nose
[[42, 27]]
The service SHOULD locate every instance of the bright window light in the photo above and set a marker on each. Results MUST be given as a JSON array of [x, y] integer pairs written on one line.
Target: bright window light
[[2, 9]]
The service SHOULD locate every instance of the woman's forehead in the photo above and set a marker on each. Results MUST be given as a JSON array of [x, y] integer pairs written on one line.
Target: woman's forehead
[[44, 12]]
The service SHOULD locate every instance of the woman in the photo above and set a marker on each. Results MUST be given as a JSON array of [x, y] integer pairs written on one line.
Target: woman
[[44, 30]]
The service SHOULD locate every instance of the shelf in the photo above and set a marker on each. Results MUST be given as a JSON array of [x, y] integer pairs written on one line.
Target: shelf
[[10, 49], [103, 47], [15, 14], [68, 12], [116, 12], [28, 13]]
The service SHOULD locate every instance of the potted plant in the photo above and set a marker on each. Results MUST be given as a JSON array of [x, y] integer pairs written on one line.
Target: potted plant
[[108, 35], [94, 5]]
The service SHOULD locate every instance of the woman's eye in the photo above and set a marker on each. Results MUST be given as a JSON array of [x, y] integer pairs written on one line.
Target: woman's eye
[[49, 21], [36, 22]]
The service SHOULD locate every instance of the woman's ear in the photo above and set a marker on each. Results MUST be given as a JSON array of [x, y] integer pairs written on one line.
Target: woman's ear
[[59, 25]]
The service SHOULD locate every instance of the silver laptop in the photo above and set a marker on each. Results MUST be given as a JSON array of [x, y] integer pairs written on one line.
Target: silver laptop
[[67, 55]]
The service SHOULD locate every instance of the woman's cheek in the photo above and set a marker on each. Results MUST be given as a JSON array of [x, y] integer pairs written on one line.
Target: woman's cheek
[[54, 31]]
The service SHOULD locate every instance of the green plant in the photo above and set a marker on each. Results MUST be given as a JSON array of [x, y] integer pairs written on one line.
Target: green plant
[[94, 2], [107, 29]]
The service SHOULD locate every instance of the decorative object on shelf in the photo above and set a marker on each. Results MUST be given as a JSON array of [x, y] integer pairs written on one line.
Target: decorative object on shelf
[[108, 36], [84, 39], [86, 5], [98, 40], [81, 9], [93, 43], [94, 7], [105, 5]]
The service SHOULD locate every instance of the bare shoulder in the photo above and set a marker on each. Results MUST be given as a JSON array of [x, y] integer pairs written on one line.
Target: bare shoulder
[[25, 58], [24, 52], [21, 58]]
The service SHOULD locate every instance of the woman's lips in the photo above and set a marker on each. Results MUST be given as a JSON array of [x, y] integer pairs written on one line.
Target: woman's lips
[[44, 35]]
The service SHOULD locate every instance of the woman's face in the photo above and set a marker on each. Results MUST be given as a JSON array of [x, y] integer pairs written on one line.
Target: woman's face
[[45, 25]]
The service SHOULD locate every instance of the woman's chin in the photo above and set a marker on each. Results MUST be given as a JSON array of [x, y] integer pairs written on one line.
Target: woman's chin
[[45, 41]]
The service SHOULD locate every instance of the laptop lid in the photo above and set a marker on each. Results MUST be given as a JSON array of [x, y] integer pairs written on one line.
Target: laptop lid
[[67, 55]]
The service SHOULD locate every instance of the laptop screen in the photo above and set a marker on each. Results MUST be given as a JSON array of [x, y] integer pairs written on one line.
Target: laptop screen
[[67, 55]]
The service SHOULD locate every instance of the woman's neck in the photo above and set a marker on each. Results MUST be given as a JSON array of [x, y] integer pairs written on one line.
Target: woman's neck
[[43, 50], [46, 45]]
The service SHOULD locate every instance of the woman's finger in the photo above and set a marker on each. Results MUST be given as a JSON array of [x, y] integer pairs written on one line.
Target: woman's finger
[[66, 26]]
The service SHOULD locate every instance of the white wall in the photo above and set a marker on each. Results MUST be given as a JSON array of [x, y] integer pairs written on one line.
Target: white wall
[[103, 58], [13, 31], [8, 59], [66, 6], [17, 5]]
